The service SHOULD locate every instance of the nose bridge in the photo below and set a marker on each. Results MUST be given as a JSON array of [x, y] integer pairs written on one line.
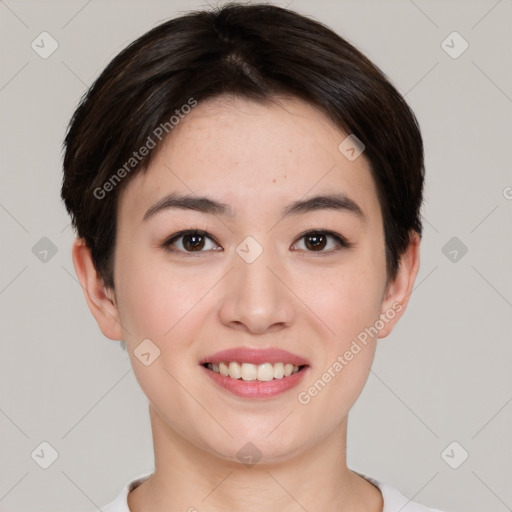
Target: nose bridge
[[255, 297], [252, 262]]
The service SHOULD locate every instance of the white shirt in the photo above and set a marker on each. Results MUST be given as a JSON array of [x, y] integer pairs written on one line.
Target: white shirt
[[393, 500]]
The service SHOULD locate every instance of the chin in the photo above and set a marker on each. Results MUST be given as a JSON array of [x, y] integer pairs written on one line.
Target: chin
[[254, 448]]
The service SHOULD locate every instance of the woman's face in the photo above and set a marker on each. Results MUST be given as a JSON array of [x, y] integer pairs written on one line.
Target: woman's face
[[253, 278]]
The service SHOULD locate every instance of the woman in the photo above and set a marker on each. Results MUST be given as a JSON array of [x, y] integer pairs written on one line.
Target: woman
[[246, 189]]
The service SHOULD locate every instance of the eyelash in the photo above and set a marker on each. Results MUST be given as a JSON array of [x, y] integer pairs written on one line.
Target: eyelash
[[341, 241]]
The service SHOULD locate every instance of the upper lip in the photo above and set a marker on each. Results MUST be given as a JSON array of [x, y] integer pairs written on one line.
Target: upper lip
[[255, 356]]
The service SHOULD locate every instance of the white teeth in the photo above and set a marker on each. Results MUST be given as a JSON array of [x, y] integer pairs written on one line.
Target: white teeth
[[235, 371], [248, 371], [278, 371], [223, 369], [265, 372]]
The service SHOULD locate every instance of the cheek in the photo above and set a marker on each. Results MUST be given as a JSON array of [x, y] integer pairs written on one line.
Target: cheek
[[154, 297], [348, 307], [347, 302]]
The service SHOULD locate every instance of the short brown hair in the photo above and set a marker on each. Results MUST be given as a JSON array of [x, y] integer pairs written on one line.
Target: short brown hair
[[254, 51]]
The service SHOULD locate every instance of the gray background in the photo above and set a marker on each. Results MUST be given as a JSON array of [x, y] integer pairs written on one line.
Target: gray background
[[443, 375]]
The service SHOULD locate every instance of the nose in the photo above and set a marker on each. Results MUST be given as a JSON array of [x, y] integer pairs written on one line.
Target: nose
[[256, 298]]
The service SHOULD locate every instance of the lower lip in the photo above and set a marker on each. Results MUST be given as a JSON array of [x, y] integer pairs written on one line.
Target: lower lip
[[256, 388]]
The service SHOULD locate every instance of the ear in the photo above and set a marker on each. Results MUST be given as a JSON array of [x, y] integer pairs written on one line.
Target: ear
[[398, 291], [101, 300]]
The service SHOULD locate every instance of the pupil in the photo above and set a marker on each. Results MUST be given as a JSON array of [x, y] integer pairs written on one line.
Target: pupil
[[197, 244], [318, 241]]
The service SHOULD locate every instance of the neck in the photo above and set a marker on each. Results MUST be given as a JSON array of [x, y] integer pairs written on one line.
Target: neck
[[191, 479]]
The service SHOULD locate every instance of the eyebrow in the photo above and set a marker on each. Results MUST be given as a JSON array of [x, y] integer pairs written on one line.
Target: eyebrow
[[202, 204]]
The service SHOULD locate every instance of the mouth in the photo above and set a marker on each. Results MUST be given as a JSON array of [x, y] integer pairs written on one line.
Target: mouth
[[248, 372], [255, 372]]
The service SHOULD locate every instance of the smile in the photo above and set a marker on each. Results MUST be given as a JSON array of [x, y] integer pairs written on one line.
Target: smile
[[249, 372]]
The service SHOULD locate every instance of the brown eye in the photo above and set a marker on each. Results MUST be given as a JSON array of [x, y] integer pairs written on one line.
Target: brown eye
[[322, 242], [316, 242], [193, 242], [190, 241]]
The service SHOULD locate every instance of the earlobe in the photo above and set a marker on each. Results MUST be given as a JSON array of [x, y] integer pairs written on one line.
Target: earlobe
[[99, 298], [399, 291]]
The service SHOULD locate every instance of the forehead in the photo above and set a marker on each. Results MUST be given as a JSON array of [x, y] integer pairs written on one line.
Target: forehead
[[248, 154]]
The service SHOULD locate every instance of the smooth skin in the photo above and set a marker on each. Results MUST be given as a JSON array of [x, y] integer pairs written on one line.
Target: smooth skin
[[313, 301]]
